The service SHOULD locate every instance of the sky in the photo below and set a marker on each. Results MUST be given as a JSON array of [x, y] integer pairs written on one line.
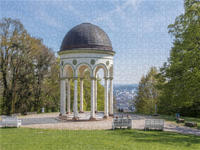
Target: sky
[[137, 28]]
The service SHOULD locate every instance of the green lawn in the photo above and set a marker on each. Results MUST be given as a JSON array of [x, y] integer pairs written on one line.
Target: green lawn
[[40, 139], [172, 118]]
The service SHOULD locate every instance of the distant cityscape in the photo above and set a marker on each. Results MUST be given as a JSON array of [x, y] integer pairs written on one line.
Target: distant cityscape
[[124, 95]]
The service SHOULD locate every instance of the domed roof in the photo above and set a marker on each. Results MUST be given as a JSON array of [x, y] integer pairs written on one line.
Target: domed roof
[[86, 36]]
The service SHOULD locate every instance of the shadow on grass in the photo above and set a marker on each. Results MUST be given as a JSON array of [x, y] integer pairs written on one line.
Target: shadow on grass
[[168, 138]]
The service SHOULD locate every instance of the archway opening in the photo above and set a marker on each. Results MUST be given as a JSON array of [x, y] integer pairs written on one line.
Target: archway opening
[[101, 73], [99, 103], [84, 90]]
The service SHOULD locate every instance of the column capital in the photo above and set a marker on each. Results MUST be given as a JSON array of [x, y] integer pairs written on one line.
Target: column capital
[[111, 78], [63, 78], [69, 78], [106, 78], [75, 78], [93, 78], [81, 78]]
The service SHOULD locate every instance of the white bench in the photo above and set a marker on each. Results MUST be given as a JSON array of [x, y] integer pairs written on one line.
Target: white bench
[[122, 122], [11, 122], [154, 124]]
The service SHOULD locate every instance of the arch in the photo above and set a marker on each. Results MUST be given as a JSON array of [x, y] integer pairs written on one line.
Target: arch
[[68, 70], [81, 68], [100, 66]]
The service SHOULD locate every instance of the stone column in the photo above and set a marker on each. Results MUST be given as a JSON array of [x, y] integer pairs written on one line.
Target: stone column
[[81, 95], [106, 98], [68, 97], [62, 97], [111, 97], [92, 117], [95, 94], [75, 107]]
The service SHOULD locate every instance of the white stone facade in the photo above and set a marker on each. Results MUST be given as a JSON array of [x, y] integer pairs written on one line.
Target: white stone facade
[[72, 67]]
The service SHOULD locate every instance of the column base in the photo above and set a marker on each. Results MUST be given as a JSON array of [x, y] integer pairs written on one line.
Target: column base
[[96, 111], [106, 117], [81, 111], [63, 117], [68, 112], [111, 115], [75, 118], [92, 119], [62, 114]]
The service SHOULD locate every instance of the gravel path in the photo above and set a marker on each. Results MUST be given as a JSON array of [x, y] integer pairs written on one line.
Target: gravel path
[[51, 121]]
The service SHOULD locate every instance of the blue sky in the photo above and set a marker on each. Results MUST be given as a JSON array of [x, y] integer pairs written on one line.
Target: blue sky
[[137, 28]]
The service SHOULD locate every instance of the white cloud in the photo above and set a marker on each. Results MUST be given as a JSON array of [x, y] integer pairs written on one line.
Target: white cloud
[[67, 7], [119, 11], [49, 20]]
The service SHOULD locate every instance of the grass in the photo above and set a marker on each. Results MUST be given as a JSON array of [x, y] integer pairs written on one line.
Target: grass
[[40, 139], [172, 119]]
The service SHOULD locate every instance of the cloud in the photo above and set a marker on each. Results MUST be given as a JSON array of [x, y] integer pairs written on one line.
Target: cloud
[[42, 11], [119, 11], [67, 7], [49, 20]]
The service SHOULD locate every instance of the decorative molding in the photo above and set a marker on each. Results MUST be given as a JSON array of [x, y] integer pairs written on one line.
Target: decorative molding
[[74, 62], [92, 62], [107, 63], [86, 57], [86, 51]]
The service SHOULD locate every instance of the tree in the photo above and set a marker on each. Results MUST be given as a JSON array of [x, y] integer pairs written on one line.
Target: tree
[[50, 88], [181, 75], [147, 94], [12, 45], [24, 63]]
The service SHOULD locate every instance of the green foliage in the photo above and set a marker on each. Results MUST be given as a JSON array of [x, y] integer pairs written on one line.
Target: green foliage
[[147, 94], [26, 66], [31, 139], [87, 93], [181, 75]]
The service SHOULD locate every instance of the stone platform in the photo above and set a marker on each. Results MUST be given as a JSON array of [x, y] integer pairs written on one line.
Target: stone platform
[[82, 117]]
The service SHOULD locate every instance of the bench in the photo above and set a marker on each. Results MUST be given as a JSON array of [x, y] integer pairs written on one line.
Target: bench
[[121, 123], [191, 124], [154, 124], [179, 120], [11, 122]]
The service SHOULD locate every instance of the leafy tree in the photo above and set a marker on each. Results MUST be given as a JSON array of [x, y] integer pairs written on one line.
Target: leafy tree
[[24, 63], [50, 88], [181, 75], [147, 94]]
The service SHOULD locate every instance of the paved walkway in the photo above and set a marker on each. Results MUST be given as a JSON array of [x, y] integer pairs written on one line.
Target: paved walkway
[[51, 121]]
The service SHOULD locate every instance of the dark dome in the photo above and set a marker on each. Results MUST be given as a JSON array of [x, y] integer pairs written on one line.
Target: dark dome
[[86, 36]]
